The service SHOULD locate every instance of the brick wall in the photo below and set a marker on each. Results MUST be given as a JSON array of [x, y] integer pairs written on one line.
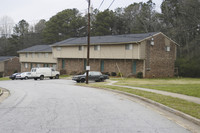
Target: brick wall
[[75, 66], [11, 66], [159, 62]]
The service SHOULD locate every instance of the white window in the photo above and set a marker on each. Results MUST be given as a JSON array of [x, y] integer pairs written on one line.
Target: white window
[[97, 47], [26, 65], [38, 65], [26, 55], [80, 48], [46, 55], [58, 48], [128, 46], [168, 48], [33, 55]]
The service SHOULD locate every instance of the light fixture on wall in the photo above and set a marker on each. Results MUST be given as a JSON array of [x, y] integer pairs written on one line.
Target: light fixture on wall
[[152, 41]]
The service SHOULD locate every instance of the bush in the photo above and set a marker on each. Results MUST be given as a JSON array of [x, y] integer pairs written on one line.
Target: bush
[[74, 73], [63, 72], [140, 75], [106, 73], [120, 74], [113, 74], [15, 71]]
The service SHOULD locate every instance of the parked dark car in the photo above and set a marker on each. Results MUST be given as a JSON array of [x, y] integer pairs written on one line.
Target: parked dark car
[[93, 75], [13, 76]]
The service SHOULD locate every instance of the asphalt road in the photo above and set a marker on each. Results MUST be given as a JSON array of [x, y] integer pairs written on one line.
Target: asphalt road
[[58, 106]]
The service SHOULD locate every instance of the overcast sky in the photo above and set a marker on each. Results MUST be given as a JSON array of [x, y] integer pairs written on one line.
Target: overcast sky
[[34, 10]]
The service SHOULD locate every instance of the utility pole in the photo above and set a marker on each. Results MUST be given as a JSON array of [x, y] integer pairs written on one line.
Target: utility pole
[[88, 44]]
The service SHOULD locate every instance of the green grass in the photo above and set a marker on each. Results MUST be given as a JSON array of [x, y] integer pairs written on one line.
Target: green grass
[[186, 86], [4, 78], [190, 108], [64, 76]]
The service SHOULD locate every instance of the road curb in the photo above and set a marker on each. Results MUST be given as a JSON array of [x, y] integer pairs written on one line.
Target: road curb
[[1, 91], [176, 112], [4, 94]]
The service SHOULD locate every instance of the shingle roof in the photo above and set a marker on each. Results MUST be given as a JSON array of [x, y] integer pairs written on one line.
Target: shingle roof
[[37, 48], [110, 39], [4, 58]]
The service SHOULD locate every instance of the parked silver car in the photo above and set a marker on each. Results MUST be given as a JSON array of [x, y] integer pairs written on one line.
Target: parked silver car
[[24, 75]]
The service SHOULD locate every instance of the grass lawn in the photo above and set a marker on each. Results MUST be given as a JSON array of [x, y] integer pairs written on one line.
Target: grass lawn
[[4, 78], [186, 86], [64, 76], [190, 108]]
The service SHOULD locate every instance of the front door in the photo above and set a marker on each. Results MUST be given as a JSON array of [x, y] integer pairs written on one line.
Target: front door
[[134, 67]]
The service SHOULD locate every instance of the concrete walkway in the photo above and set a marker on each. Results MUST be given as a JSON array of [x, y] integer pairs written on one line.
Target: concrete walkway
[[181, 96]]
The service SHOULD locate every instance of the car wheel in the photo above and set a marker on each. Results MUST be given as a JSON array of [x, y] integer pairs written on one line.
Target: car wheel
[[26, 78], [41, 77], [57, 76], [82, 80]]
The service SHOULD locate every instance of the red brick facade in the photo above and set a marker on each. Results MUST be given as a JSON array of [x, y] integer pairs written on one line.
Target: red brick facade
[[75, 66], [159, 62], [12, 65]]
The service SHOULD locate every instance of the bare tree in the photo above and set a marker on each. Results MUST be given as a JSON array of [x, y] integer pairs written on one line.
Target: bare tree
[[6, 26]]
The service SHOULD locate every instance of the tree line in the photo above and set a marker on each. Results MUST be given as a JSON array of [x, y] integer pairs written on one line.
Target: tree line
[[179, 19]]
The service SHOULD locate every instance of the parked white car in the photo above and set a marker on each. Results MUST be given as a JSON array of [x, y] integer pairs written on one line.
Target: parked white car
[[24, 75], [44, 72]]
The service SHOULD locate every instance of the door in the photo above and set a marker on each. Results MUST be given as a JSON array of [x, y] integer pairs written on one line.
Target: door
[[102, 65], [134, 67]]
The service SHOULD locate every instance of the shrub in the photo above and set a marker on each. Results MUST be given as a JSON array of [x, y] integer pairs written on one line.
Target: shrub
[[139, 75], [120, 74], [106, 73], [63, 72], [74, 73], [113, 74]]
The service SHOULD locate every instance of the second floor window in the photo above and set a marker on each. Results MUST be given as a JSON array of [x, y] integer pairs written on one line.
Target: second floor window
[[33, 55], [26, 55], [167, 48], [80, 48], [128, 46], [46, 55], [97, 47]]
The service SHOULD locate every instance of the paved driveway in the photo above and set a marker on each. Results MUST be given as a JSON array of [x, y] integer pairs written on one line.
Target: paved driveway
[[58, 106]]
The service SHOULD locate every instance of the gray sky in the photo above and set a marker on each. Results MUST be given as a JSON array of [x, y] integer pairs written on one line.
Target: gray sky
[[34, 10]]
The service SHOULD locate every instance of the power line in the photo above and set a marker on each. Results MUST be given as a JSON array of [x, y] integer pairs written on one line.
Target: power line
[[101, 4], [111, 4]]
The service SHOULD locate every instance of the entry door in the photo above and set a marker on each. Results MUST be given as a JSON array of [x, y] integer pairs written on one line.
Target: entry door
[[102, 65], [134, 67]]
